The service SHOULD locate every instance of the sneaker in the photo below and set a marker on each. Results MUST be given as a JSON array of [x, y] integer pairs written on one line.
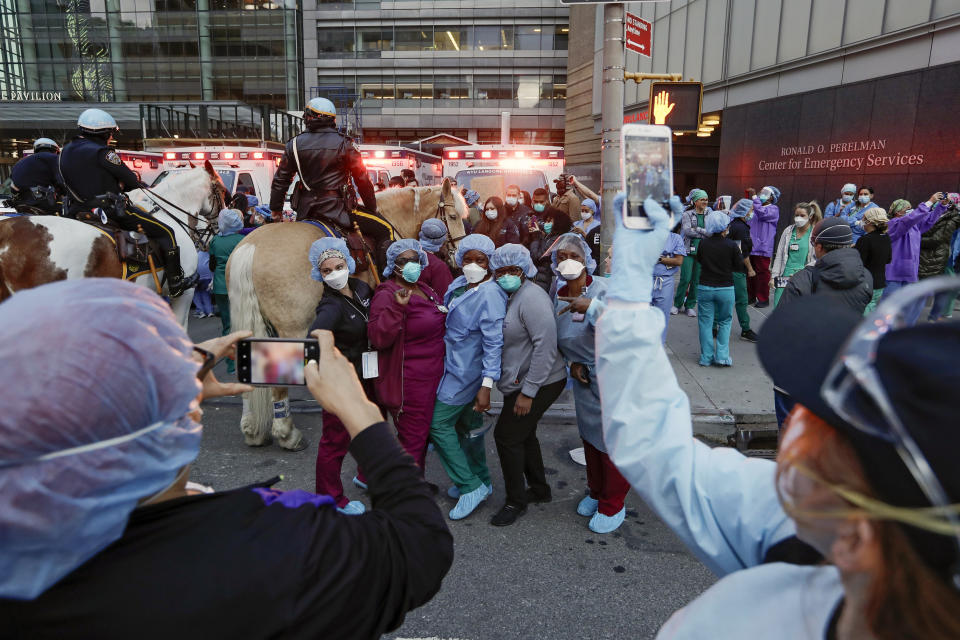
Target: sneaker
[[674, 311], [691, 313], [579, 456], [453, 492], [507, 515], [468, 503], [600, 523], [761, 304], [588, 506], [360, 483], [353, 508], [536, 498], [749, 335]]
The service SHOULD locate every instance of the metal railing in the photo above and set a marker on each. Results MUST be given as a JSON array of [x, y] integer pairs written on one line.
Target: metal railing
[[218, 121]]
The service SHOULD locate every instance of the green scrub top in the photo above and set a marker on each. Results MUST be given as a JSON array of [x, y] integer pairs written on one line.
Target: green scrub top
[[796, 259]]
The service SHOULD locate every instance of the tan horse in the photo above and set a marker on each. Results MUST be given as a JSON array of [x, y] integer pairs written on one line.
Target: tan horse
[[268, 279]]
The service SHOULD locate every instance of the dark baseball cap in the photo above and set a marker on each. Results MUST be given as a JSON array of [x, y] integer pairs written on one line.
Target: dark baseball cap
[[920, 371], [832, 231]]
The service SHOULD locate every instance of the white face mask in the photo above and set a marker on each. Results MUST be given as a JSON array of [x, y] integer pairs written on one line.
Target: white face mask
[[800, 221], [491, 214], [521, 200], [512, 201], [846, 197], [570, 269], [864, 199], [586, 214], [337, 279], [474, 273]]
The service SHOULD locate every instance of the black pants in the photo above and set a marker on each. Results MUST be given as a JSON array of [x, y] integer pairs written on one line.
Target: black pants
[[152, 228], [518, 447]]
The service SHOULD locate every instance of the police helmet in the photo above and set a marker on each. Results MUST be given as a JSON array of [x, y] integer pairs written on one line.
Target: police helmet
[[45, 144], [97, 121], [322, 107]]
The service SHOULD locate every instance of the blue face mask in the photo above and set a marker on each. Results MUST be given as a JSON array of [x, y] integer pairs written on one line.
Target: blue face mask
[[539, 207], [548, 227], [509, 283], [411, 272]]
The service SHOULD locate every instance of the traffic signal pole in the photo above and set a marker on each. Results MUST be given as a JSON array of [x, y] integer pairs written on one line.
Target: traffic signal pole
[[611, 117]]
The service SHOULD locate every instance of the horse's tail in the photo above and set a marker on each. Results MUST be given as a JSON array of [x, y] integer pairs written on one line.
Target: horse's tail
[[245, 315]]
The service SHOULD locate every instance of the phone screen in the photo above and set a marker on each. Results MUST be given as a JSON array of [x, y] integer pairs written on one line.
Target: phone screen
[[275, 362], [647, 170]]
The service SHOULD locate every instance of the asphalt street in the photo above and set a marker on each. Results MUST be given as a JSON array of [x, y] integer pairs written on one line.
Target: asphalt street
[[547, 576]]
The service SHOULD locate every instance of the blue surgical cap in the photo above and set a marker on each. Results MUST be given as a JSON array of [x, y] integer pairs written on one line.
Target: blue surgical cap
[[105, 378], [471, 197], [743, 207], [432, 234], [229, 221], [576, 242], [398, 247], [775, 192], [475, 242], [716, 221], [513, 255], [590, 204], [322, 245], [264, 210]]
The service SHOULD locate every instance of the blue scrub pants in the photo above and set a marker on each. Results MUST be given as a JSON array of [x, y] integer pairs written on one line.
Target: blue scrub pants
[[663, 287], [911, 313], [715, 303]]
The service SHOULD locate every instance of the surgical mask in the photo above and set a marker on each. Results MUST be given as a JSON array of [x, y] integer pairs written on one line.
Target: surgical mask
[[509, 283], [491, 214], [764, 196], [337, 278], [511, 201], [570, 269], [800, 221], [411, 272], [864, 199], [474, 273], [846, 197], [586, 214], [539, 207], [522, 200], [548, 227]]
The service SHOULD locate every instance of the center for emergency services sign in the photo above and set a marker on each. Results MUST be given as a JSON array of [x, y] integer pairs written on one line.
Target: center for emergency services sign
[[639, 34]]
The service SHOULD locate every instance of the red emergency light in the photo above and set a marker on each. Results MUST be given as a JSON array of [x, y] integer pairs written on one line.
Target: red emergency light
[[518, 154], [199, 155], [486, 154], [228, 155], [258, 155], [170, 155], [453, 155], [277, 160]]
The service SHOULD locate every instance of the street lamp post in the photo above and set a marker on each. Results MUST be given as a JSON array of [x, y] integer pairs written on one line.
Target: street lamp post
[[611, 110]]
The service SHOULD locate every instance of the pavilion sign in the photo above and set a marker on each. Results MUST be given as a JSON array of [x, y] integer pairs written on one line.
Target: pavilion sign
[[34, 96]]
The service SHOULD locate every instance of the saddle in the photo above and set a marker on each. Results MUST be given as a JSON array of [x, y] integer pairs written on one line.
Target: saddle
[[134, 249], [362, 247]]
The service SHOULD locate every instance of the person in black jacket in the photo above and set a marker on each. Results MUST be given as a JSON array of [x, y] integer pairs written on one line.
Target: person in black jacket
[[875, 252], [519, 212], [719, 258], [838, 271], [344, 310], [102, 537], [36, 179], [553, 223]]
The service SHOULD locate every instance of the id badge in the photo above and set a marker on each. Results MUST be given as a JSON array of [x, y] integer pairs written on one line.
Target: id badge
[[371, 365], [442, 308], [794, 247]]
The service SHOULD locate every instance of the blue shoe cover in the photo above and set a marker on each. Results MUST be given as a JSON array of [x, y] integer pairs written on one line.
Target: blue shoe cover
[[353, 508], [453, 492], [588, 506], [468, 502], [489, 489], [600, 523], [359, 483]]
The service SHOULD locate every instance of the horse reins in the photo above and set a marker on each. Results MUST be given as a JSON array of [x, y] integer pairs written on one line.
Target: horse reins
[[199, 236]]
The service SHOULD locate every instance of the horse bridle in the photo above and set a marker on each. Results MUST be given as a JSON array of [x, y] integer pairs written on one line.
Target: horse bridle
[[441, 214], [200, 237]]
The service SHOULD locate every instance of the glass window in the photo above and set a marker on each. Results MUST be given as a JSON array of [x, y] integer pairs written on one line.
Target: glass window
[[561, 35], [413, 39], [452, 39], [490, 38], [528, 90], [451, 89], [493, 88], [375, 87], [527, 38], [374, 39], [336, 42]]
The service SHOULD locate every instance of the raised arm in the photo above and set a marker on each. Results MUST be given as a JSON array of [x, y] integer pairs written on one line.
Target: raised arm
[[766, 213]]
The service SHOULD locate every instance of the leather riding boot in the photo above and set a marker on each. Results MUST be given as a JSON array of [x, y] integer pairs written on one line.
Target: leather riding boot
[[175, 280]]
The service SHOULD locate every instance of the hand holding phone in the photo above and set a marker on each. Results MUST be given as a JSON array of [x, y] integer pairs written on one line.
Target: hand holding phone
[[274, 362], [647, 162]]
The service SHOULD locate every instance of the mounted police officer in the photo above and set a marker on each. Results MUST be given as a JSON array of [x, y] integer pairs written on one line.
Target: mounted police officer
[[326, 160], [36, 181], [94, 176]]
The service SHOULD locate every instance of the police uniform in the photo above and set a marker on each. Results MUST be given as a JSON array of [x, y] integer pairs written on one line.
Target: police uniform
[[327, 161], [37, 170]]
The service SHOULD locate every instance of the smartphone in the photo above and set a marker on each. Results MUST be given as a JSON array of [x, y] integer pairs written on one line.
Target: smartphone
[[647, 168], [274, 362]]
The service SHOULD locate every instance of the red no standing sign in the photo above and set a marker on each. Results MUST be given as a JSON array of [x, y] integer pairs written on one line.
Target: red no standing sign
[[639, 34]]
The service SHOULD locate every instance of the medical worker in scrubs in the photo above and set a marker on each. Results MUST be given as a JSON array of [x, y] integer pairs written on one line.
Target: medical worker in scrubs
[[606, 487], [474, 341], [849, 534]]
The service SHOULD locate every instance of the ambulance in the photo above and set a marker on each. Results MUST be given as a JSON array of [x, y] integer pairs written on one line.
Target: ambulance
[[489, 168], [384, 162], [238, 166], [146, 164]]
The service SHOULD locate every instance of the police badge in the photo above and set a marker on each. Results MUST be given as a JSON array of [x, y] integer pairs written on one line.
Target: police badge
[[113, 157]]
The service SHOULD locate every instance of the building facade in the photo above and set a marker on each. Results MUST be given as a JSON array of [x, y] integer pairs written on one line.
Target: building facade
[[403, 71], [809, 94]]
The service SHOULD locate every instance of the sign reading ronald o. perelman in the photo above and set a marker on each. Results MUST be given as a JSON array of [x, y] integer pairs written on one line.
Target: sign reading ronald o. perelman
[[855, 155]]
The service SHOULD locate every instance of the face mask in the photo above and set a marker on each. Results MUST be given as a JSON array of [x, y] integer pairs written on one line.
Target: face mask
[[864, 199], [800, 221], [539, 207], [586, 214], [570, 269], [509, 283], [511, 201], [337, 279], [522, 200], [411, 272], [846, 197], [474, 273], [764, 196], [547, 227], [491, 214]]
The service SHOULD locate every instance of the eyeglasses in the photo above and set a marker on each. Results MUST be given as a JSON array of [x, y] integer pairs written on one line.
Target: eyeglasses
[[209, 360], [855, 370], [402, 261]]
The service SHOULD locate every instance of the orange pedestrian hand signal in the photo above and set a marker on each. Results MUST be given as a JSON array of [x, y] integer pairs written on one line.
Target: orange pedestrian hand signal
[[676, 104], [662, 107]]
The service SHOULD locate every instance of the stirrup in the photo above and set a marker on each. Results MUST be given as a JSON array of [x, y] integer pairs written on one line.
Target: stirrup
[[178, 286]]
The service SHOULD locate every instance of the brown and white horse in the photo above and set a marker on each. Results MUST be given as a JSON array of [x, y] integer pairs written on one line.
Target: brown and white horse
[[35, 250], [268, 279]]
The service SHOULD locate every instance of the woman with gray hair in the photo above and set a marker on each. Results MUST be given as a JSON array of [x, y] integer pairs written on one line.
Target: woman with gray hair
[[718, 257]]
